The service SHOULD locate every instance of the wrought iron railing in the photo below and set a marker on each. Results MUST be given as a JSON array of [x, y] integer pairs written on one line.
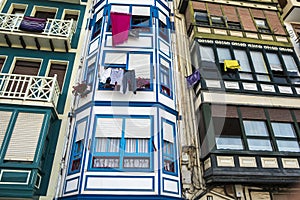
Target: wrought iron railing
[[35, 88], [53, 27]]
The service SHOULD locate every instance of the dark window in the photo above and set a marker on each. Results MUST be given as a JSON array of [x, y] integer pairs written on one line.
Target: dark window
[[1, 63], [69, 17], [60, 71], [140, 22], [234, 25], [217, 21], [97, 28], [44, 15], [18, 11], [201, 18]]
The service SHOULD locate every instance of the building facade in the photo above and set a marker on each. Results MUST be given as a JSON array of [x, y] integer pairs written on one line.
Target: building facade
[[124, 138], [39, 41], [246, 102]]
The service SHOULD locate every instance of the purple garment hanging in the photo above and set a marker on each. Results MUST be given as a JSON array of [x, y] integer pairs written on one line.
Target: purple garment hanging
[[120, 23], [193, 78], [32, 24]]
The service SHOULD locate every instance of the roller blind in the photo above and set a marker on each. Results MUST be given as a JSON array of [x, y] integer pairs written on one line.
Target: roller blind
[[120, 9], [4, 120], [80, 131], [109, 127], [139, 10], [141, 63], [23, 142], [168, 134], [137, 128], [115, 58]]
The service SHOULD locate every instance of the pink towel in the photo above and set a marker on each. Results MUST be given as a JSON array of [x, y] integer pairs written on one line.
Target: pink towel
[[120, 23]]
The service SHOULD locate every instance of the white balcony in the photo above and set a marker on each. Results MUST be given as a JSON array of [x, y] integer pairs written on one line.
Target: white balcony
[[55, 36], [29, 88]]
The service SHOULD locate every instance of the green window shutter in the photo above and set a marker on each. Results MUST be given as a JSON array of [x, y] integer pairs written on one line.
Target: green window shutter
[[4, 120], [23, 142]]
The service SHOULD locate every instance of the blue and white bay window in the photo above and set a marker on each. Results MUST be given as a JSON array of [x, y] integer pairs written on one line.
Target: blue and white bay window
[[122, 143], [78, 146], [165, 77], [169, 147]]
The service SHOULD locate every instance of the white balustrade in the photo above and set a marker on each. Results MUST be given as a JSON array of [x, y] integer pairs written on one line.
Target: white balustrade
[[53, 27], [34, 88]]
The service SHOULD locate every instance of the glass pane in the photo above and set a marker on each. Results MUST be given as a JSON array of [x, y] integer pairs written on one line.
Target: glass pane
[[130, 145], [274, 61], [101, 144], [255, 128], [263, 77], [114, 145], [284, 145], [207, 53], [241, 56], [283, 130], [143, 145], [246, 76], [223, 54], [229, 143], [290, 63], [259, 144], [258, 62]]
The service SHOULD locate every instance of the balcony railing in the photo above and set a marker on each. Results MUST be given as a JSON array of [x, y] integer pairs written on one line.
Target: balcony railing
[[56, 28], [35, 88]]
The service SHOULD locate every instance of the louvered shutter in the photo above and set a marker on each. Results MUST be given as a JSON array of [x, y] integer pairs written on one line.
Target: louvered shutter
[[168, 132], [80, 131], [23, 142], [109, 127], [137, 128], [4, 120]]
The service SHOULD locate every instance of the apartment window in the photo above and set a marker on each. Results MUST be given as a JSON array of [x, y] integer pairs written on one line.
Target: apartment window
[[257, 135], [207, 53], [259, 66], [234, 25], [201, 18], [60, 71], [228, 133], [71, 14], [45, 15], [165, 77], [245, 71], [217, 21], [164, 26], [262, 25], [90, 71], [285, 135], [292, 69], [169, 151], [25, 67], [2, 60], [276, 68], [140, 62], [140, 22], [224, 54], [97, 28], [78, 146], [125, 140]]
